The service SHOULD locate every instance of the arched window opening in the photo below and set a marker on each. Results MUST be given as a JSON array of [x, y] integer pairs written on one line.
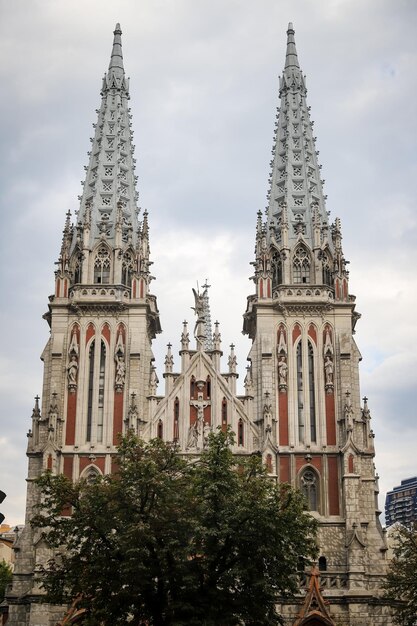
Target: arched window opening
[[322, 564], [127, 269], [77, 271], [176, 419], [327, 273], [100, 404], [91, 356], [312, 393], [276, 266], [300, 392], [301, 266], [208, 386], [224, 415], [91, 475], [309, 487], [160, 430], [192, 388], [240, 433], [268, 463], [102, 266]]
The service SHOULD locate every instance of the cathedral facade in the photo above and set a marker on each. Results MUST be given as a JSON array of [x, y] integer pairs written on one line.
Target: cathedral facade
[[301, 408]]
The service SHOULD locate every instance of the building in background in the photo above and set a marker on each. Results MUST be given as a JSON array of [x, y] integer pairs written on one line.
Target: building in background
[[301, 409], [401, 503]]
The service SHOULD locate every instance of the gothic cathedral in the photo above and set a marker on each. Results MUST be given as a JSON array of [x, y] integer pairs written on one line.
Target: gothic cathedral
[[301, 408]]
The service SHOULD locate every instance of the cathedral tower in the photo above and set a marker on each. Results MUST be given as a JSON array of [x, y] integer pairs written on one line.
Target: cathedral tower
[[102, 320], [301, 407], [305, 365]]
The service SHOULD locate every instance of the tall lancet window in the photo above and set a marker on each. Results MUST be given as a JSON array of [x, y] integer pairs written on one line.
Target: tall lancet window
[[102, 266], [127, 269], [312, 393], [276, 270], [91, 356], [326, 270], [300, 392], [77, 270], [301, 266], [100, 412], [309, 487]]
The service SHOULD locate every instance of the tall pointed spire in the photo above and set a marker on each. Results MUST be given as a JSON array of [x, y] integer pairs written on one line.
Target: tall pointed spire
[[110, 175], [296, 184]]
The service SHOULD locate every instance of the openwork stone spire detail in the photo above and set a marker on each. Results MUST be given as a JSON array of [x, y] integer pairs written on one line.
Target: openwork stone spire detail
[[295, 180], [110, 175]]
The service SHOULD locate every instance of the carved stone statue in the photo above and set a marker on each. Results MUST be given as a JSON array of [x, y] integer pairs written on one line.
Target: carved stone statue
[[282, 372], [328, 370], [120, 373], [206, 433], [72, 372], [193, 433], [199, 329], [153, 381]]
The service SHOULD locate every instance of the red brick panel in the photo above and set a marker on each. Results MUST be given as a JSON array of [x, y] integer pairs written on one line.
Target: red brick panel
[[334, 488]]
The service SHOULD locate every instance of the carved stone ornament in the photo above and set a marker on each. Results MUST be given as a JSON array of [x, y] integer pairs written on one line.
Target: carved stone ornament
[[153, 381], [282, 361], [72, 368], [328, 363], [120, 370]]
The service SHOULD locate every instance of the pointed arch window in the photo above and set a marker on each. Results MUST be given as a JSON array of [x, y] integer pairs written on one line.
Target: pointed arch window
[[127, 269], [268, 463], [160, 430], [276, 266], [192, 388], [91, 358], [77, 270], [301, 266], [327, 273], [176, 419], [322, 564], [240, 433], [309, 487], [312, 393], [208, 386], [300, 392], [102, 266], [100, 404], [224, 415]]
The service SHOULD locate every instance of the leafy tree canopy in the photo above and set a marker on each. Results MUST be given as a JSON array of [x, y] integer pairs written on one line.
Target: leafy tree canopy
[[5, 577], [166, 542], [401, 583]]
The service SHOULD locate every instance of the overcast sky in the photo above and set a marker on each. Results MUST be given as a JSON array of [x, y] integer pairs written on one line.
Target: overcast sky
[[204, 89]]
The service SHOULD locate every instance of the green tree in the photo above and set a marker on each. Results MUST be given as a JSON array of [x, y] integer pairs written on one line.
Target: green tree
[[166, 542], [401, 582], [5, 577]]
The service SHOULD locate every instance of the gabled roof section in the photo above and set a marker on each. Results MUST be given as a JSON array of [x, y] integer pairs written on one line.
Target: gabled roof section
[[109, 198], [314, 609], [295, 200]]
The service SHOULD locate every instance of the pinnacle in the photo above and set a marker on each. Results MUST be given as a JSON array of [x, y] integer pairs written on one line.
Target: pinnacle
[[116, 59], [291, 58]]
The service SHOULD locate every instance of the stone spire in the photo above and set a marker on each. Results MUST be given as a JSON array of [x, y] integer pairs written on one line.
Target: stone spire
[[295, 181], [110, 174]]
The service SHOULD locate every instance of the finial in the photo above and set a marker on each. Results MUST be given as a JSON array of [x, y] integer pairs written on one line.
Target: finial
[[291, 58], [169, 360], [232, 361], [216, 337], [185, 336], [36, 411]]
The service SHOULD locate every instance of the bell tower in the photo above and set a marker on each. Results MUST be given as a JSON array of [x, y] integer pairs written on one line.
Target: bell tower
[[102, 320], [304, 362]]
